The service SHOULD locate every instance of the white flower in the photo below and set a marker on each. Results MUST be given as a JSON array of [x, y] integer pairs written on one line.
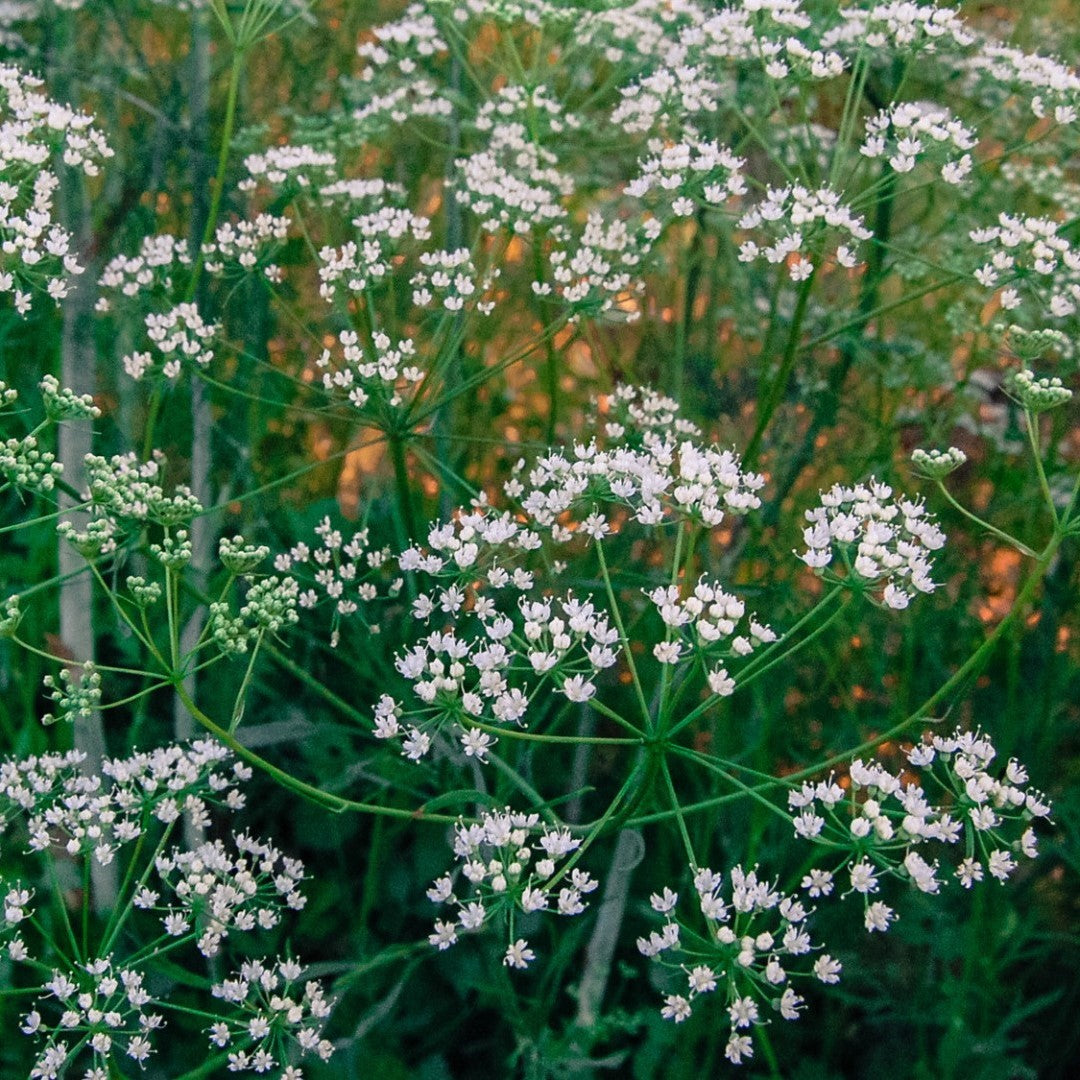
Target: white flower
[[878, 916], [577, 688], [518, 954], [676, 1008]]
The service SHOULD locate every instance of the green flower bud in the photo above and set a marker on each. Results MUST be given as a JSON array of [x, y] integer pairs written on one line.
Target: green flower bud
[[1037, 394], [937, 464]]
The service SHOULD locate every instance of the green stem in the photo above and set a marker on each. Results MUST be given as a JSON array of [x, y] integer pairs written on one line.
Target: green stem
[[1010, 540], [783, 376], [325, 799], [677, 807], [623, 638], [403, 489], [1036, 449], [236, 68], [967, 670], [766, 660], [238, 701], [572, 740], [123, 910]]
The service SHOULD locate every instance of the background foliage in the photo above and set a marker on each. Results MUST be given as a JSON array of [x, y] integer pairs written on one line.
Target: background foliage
[[974, 986]]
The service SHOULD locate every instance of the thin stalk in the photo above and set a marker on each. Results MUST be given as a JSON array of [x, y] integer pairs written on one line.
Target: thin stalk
[[1036, 450], [765, 659], [783, 376], [677, 807], [238, 701], [236, 68], [1010, 540], [571, 740], [403, 488], [966, 671], [623, 638], [325, 799]]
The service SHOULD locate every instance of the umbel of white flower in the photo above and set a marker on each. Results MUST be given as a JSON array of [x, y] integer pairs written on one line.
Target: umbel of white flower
[[35, 250], [93, 1012]]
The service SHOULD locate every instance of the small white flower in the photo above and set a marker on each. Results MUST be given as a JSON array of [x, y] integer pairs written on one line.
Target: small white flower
[[518, 954]]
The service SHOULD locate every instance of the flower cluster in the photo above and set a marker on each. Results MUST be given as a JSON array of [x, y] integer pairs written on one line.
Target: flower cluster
[[356, 266], [98, 1009], [755, 944], [887, 822], [151, 272], [240, 248], [496, 646], [211, 891], [75, 696], [418, 98], [358, 192], [882, 542], [96, 815], [337, 572], [392, 88], [513, 182], [668, 94], [664, 480], [900, 26], [386, 369], [764, 35], [1050, 87], [1031, 255], [1037, 394], [937, 464], [452, 280], [23, 462], [124, 494], [686, 175], [597, 270], [105, 1009], [913, 131], [462, 680], [180, 336], [269, 607], [272, 1010], [62, 403], [298, 168], [511, 866], [35, 249], [796, 221], [707, 620]]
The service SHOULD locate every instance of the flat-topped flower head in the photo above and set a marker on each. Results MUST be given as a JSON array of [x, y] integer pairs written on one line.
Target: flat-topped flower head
[[1032, 266], [493, 668], [795, 225], [900, 26], [511, 865], [748, 945], [912, 133], [37, 256], [178, 337], [686, 176], [504, 644], [1037, 394], [150, 274], [290, 168], [243, 246], [267, 1007], [881, 542], [97, 815], [211, 891], [125, 494], [937, 464], [962, 818]]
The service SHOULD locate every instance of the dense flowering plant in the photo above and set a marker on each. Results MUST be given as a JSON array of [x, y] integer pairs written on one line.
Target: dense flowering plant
[[568, 429]]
